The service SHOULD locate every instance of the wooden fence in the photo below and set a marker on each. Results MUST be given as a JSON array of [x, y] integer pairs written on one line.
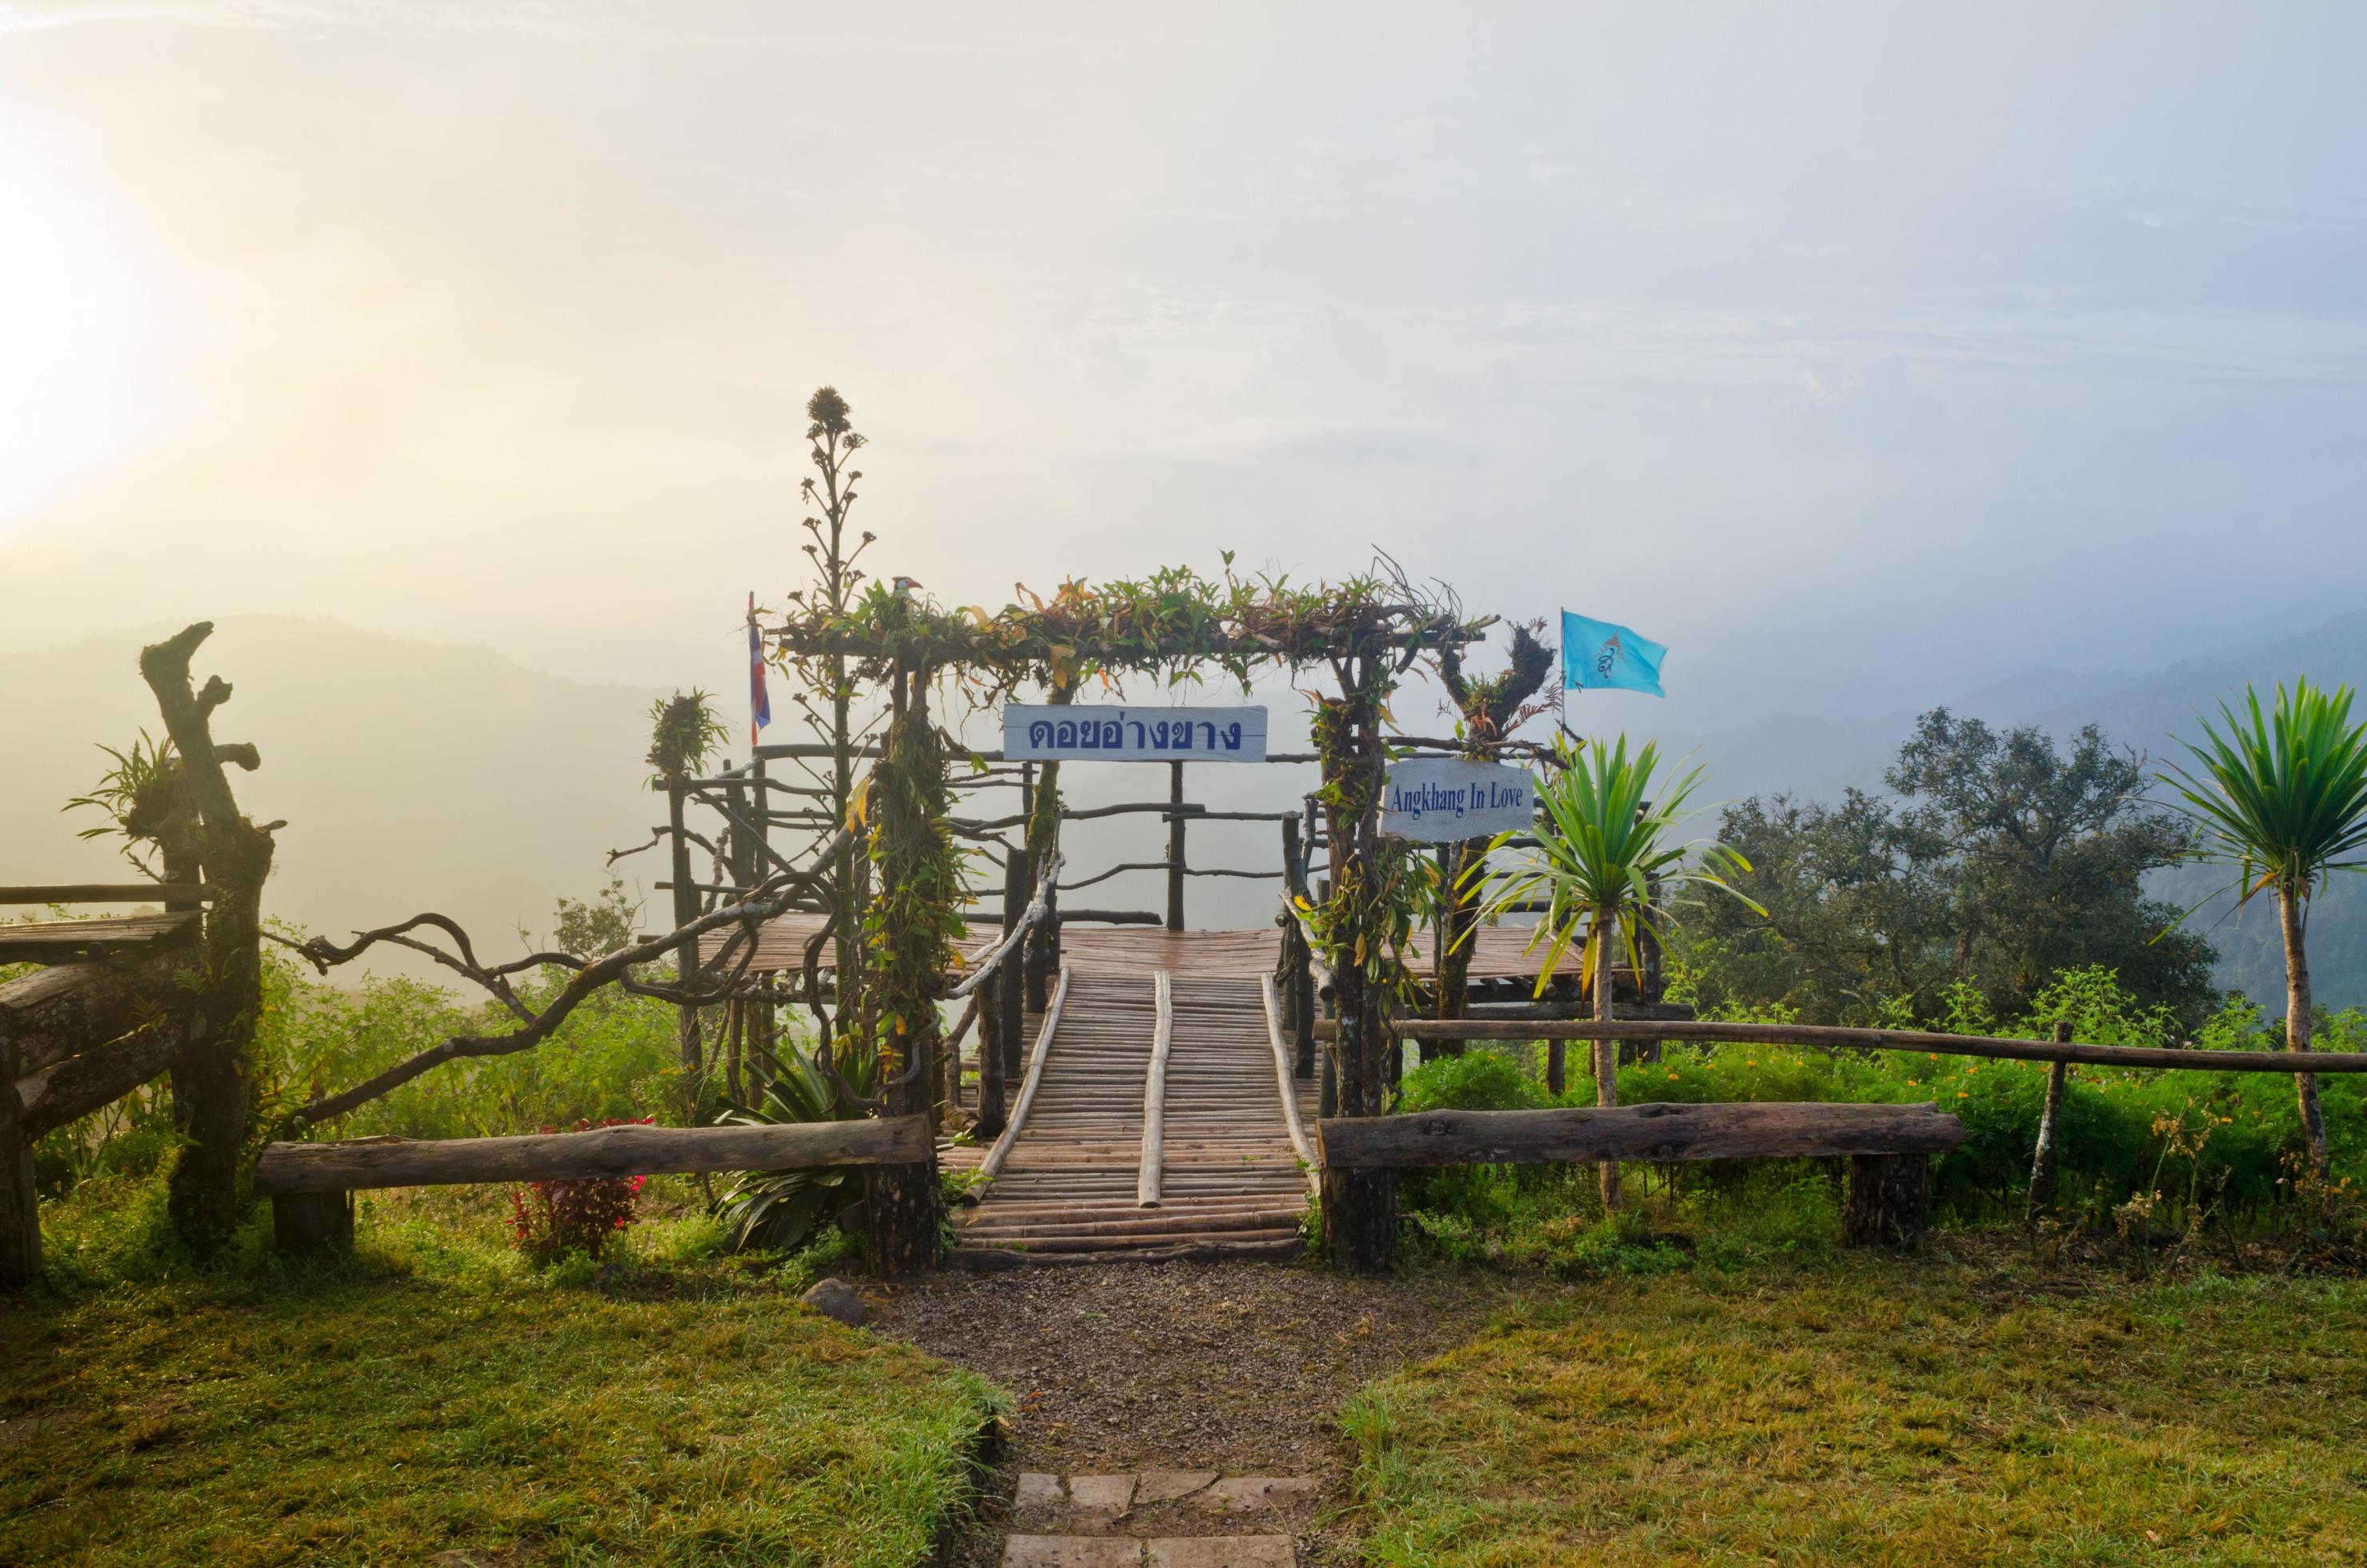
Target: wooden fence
[[1889, 1146], [311, 1184]]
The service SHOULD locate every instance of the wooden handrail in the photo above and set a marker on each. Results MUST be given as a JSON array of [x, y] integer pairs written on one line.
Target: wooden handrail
[[1284, 1082], [1679, 1031], [1031, 916], [991, 1166]]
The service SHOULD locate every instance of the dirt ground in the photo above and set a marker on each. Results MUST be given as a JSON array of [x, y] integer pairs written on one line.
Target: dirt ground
[[1232, 1366]]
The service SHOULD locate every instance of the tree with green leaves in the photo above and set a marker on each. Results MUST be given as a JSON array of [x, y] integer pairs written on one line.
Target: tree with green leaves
[[2281, 796], [2003, 859], [1605, 846]]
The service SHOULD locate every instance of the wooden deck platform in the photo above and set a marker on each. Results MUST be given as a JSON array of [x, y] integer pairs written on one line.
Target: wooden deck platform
[[1499, 952], [74, 941], [1229, 1179]]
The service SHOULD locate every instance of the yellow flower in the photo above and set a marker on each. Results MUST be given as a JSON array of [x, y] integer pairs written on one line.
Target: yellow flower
[[1914, 1083], [1962, 1096]]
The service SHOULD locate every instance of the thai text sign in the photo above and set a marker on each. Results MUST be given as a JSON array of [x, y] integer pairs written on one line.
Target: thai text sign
[[1133, 735], [1438, 799]]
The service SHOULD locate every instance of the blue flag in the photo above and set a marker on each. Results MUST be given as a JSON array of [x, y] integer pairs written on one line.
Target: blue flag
[[1596, 655]]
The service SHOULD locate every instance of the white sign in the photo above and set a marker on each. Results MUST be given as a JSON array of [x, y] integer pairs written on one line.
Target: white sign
[[1441, 799], [1033, 733]]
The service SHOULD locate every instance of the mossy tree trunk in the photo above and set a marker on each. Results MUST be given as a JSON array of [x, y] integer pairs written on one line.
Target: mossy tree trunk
[[910, 937], [215, 1081]]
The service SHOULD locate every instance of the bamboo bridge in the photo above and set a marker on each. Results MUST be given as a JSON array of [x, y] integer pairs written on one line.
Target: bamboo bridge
[[1163, 1111]]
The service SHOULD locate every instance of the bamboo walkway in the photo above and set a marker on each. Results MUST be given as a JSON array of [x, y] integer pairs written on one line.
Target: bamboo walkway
[[1158, 1128]]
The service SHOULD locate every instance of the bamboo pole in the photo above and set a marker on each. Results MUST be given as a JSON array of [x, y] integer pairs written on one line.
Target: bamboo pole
[[1148, 1172], [1284, 1077], [989, 1167]]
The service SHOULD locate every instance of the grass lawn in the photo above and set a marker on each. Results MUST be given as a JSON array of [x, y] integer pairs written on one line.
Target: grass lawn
[[436, 1396], [1967, 1407]]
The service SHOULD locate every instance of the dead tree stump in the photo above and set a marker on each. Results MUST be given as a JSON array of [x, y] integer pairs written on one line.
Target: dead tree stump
[[1889, 1196]]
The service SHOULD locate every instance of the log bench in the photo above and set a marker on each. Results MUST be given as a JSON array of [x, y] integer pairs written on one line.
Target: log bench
[[1890, 1147], [311, 1184]]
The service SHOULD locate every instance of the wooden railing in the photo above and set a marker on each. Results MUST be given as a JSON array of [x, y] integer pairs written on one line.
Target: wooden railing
[[311, 1184]]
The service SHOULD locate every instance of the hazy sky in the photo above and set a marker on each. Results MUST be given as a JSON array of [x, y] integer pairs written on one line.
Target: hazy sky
[[1858, 352]]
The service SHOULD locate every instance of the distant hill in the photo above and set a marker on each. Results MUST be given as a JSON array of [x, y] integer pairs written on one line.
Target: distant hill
[[411, 776]]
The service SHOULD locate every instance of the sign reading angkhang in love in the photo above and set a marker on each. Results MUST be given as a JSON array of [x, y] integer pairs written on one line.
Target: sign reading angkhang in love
[[1037, 733], [1444, 800]]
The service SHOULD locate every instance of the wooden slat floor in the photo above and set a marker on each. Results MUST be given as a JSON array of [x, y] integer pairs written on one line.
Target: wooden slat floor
[[1496, 950], [1230, 1180]]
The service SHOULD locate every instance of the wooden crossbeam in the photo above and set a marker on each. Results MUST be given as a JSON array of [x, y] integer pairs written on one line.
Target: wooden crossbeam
[[104, 892], [1584, 1134], [287, 1168]]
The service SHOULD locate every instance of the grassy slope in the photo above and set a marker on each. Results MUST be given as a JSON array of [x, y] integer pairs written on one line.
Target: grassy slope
[[435, 1396], [1929, 1410]]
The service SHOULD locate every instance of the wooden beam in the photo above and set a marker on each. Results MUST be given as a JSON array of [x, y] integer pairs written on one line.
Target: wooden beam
[[68, 1090], [1588, 1133], [55, 1013], [602, 1152], [1825, 1036], [103, 893], [1282, 1077]]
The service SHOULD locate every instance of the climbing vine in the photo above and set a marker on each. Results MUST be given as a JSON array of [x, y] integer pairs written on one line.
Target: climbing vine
[[912, 921]]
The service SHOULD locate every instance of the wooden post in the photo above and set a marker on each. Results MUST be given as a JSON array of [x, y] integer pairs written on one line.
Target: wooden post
[[764, 1019], [1359, 1203], [312, 1224], [1012, 998], [1037, 952], [989, 1052], [1298, 979], [2042, 1164], [1175, 849], [685, 910], [20, 1205], [1888, 1197], [1327, 1097]]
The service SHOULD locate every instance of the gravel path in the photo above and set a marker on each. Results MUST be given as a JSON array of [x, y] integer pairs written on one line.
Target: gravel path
[[1234, 1367]]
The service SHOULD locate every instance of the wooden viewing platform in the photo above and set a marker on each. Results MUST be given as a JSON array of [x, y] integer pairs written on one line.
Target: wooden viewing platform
[[1499, 953], [1111, 1158], [1090, 1171]]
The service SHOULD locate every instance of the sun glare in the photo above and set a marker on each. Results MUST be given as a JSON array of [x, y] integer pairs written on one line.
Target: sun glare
[[85, 376]]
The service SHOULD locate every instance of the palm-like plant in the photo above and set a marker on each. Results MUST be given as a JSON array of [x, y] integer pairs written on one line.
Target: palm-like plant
[[2282, 797], [778, 1210], [1604, 847]]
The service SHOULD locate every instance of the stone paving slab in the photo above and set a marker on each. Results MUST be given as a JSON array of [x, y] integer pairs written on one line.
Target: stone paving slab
[[1072, 1551], [1159, 1552], [1155, 1519], [1223, 1551]]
